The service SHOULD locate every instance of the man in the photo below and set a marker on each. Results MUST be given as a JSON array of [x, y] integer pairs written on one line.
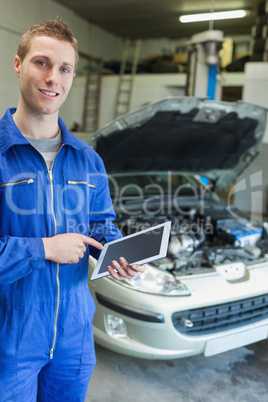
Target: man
[[51, 184]]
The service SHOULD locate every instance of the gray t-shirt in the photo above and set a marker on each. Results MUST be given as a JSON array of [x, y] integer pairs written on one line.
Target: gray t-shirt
[[47, 148]]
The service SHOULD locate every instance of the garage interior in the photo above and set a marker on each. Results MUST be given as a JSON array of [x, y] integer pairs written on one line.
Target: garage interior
[[158, 47]]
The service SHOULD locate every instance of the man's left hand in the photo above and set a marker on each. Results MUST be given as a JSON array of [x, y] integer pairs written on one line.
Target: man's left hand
[[124, 270]]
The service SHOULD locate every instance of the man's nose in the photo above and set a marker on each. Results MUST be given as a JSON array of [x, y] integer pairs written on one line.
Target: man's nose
[[52, 76]]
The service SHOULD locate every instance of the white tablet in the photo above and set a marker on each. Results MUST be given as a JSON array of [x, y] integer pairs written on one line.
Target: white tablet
[[138, 248]]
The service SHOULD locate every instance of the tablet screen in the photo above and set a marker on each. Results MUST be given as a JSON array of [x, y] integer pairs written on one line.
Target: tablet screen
[[134, 248], [141, 247]]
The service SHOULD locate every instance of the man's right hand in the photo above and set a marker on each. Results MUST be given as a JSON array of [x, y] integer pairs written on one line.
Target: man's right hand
[[68, 248]]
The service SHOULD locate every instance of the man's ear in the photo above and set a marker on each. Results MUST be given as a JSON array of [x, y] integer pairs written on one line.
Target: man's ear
[[17, 65]]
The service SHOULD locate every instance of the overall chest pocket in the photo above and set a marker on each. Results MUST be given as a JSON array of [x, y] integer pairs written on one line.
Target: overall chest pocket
[[18, 193], [78, 197]]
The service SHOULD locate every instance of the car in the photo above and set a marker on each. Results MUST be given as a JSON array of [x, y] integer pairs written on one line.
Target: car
[[169, 161]]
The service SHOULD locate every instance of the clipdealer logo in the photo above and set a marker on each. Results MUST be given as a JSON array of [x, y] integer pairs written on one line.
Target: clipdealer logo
[[254, 186]]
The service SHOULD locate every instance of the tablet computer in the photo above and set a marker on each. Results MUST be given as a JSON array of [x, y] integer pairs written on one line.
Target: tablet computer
[[138, 248]]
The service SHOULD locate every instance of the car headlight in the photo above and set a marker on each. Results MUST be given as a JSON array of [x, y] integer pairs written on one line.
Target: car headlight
[[156, 282]]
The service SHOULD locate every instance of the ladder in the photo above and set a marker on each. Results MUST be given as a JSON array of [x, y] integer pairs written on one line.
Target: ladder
[[92, 94], [128, 70]]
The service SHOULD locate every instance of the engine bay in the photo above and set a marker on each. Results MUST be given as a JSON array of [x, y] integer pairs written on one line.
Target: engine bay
[[199, 242]]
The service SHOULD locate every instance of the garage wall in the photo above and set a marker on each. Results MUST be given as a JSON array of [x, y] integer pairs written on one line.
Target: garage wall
[[147, 88], [17, 15]]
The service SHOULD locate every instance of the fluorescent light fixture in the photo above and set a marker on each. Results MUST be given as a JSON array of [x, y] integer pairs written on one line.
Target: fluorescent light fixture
[[221, 15]]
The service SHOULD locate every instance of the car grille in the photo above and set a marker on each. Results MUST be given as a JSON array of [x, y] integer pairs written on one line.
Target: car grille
[[221, 317]]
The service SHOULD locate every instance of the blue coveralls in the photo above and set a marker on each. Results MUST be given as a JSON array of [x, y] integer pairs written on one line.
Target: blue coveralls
[[46, 309]]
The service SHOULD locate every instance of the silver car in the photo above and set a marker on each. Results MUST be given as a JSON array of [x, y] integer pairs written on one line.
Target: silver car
[[168, 161]]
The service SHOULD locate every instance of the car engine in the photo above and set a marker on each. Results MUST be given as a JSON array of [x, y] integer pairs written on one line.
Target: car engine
[[199, 242]]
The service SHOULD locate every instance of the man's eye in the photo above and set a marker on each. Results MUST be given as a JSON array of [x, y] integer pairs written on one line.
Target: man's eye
[[41, 63], [65, 70]]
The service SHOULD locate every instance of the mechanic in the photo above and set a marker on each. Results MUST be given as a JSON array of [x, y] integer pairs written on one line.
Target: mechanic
[[51, 185]]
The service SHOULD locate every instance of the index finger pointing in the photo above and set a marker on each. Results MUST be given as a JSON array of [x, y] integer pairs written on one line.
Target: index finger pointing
[[92, 242]]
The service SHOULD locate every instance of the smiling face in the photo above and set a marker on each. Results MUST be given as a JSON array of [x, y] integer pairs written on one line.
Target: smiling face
[[46, 75]]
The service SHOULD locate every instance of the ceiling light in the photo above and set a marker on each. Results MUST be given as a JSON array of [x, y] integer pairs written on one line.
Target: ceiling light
[[221, 15]]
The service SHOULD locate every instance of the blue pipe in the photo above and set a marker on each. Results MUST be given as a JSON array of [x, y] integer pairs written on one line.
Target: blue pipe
[[212, 81]]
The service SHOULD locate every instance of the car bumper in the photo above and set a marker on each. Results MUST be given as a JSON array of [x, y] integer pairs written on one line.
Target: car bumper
[[151, 333], [208, 348]]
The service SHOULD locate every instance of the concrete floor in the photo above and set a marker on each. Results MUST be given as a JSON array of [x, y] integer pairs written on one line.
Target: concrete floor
[[238, 375]]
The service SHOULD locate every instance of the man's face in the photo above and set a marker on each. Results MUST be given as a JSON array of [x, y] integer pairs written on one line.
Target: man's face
[[46, 75]]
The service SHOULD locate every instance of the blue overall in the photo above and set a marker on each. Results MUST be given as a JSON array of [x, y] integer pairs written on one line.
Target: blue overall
[[46, 310]]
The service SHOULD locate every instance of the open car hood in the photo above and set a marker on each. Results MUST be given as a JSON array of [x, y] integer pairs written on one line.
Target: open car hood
[[196, 136]]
